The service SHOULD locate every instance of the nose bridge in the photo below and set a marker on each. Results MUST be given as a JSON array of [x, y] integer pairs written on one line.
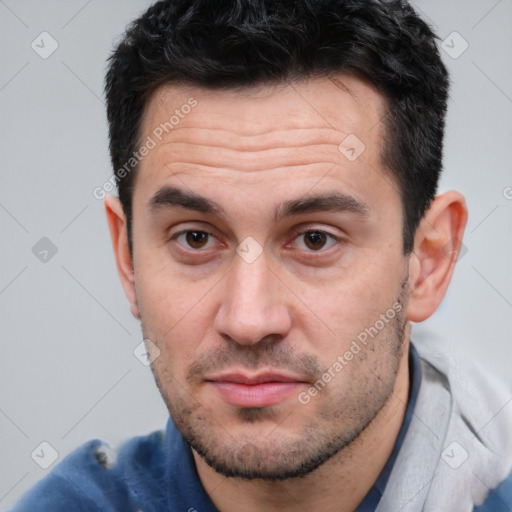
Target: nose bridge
[[251, 309], [249, 285]]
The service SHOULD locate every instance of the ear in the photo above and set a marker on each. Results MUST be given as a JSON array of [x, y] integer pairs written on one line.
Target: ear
[[119, 233], [437, 246]]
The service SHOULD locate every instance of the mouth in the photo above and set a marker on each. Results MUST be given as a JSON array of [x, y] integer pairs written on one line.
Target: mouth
[[255, 391]]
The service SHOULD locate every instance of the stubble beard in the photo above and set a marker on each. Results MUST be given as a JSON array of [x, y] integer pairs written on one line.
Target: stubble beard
[[340, 416]]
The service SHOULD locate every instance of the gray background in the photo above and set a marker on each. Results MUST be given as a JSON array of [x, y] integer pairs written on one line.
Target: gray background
[[67, 371]]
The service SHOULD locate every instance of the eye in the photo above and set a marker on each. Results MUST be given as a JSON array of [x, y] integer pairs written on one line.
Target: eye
[[315, 240], [194, 239]]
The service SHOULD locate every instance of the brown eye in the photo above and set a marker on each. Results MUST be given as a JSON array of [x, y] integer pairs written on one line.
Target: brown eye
[[315, 240], [196, 239]]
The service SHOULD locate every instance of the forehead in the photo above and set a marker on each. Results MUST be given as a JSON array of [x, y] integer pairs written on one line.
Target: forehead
[[342, 102], [245, 140]]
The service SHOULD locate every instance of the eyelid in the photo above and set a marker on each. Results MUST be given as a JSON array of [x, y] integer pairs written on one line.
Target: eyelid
[[187, 226], [302, 231], [182, 231]]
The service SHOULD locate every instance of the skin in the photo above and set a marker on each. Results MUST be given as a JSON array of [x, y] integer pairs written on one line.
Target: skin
[[299, 305]]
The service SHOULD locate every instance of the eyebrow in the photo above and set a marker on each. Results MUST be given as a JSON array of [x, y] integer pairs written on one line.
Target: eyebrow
[[173, 197], [169, 197], [336, 202]]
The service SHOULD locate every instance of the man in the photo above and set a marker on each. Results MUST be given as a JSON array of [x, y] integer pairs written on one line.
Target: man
[[276, 233]]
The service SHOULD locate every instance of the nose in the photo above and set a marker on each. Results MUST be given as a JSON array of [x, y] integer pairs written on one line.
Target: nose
[[253, 304]]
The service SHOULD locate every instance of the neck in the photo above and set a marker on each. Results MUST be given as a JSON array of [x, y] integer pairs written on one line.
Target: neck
[[338, 485]]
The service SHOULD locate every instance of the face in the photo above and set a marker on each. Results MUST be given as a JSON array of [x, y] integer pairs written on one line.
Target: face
[[269, 270]]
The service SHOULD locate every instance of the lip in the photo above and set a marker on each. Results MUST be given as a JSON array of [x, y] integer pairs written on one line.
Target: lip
[[255, 391]]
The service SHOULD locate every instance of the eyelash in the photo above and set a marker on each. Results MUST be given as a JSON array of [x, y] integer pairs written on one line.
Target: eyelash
[[297, 234]]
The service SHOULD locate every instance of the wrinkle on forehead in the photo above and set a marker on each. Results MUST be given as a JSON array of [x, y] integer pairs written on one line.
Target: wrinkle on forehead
[[296, 127], [248, 161]]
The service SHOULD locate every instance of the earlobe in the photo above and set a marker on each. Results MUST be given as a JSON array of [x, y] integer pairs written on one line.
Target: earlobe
[[119, 234], [437, 245]]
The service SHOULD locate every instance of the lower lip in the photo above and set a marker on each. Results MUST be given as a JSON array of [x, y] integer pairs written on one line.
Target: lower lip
[[256, 395]]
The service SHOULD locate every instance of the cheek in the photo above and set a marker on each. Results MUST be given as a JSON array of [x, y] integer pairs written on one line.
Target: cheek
[[338, 311], [175, 315]]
